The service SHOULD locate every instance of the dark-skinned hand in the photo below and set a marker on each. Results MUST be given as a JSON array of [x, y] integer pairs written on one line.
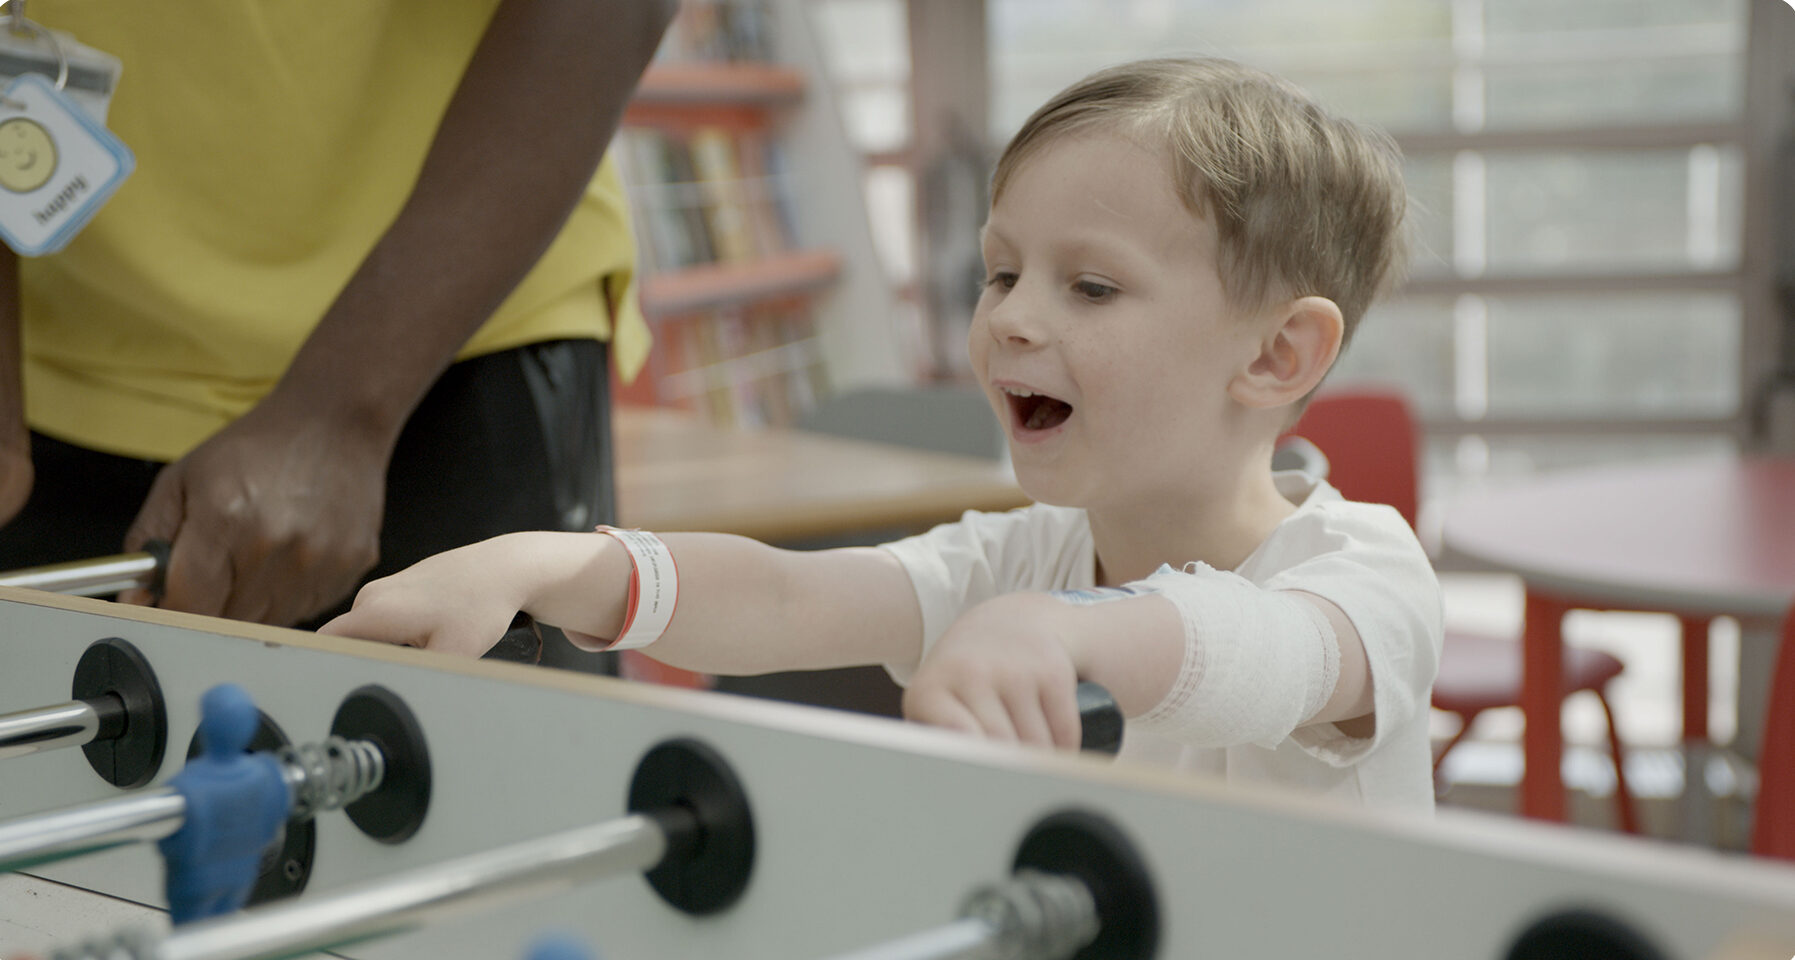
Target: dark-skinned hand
[[16, 477], [273, 519]]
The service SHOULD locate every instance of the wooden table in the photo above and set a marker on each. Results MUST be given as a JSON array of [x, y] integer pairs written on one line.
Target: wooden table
[[674, 472], [790, 487], [1695, 538]]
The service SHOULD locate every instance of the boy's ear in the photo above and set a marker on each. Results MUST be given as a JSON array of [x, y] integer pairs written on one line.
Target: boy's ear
[[1301, 340]]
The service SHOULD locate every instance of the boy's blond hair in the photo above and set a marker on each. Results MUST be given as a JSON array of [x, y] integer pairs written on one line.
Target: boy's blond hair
[[1304, 202]]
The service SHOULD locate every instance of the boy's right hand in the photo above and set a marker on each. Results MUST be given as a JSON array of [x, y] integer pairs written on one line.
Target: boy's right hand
[[1006, 670]]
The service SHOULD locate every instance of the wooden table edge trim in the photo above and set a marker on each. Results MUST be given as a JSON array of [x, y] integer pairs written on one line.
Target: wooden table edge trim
[[825, 518], [1584, 594]]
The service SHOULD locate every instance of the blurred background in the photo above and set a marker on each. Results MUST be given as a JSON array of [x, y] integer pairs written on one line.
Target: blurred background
[[1602, 195], [1581, 175]]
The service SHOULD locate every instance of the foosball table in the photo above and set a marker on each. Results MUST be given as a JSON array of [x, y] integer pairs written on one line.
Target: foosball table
[[448, 808]]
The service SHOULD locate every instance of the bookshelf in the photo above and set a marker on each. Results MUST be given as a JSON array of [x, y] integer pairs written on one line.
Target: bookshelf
[[711, 285], [670, 87], [758, 272]]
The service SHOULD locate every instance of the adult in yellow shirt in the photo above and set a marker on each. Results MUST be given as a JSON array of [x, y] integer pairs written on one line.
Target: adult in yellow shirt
[[352, 306]]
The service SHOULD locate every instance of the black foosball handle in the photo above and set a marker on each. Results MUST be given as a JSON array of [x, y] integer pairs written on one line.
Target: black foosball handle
[[1100, 719], [522, 643]]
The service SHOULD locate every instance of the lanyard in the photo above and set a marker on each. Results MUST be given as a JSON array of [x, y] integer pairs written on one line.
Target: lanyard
[[21, 26]]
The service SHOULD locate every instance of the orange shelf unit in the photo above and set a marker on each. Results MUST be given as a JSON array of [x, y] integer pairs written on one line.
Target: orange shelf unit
[[735, 95], [720, 284], [766, 84]]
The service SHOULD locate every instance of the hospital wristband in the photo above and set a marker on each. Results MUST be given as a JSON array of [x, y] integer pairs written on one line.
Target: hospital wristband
[[649, 607]]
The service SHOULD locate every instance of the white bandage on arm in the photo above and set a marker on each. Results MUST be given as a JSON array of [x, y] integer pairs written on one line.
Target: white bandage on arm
[[1257, 663]]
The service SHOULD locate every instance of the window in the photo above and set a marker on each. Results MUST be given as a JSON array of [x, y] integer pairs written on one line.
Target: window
[[865, 45], [1577, 172]]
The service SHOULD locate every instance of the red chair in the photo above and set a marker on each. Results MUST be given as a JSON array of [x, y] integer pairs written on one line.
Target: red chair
[[1773, 821], [1370, 439]]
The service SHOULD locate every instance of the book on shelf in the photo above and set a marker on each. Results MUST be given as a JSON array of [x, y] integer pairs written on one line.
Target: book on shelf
[[712, 197], [725, 280], [725, 200], [761, 163], [720, 30], [668, 213], [705, 196], [747, 366]]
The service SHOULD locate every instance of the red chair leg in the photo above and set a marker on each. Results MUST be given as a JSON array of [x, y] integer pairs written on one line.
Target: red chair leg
[[1695, 678], [1542, 698], [1623, 796]]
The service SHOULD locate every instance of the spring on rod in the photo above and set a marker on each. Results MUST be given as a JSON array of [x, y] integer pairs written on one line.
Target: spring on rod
[[330, 775]]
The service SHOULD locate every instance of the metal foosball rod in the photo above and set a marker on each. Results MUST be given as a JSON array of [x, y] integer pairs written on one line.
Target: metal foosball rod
[[1079, 890], [91, 828], [76, 723], [97, 577], [1032, 916], [147, 569], [351, 770], [408, 901], [117, 713], [690, 831], [314, 778], [116, 716], [116, 697]]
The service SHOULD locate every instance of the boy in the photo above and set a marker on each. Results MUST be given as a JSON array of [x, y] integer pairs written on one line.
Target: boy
[[1176, 252]]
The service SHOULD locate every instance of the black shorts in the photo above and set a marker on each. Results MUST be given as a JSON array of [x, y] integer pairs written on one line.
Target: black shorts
[[515, 440]]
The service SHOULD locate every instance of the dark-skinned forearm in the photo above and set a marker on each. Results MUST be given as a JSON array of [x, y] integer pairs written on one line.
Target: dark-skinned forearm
[[518, 143], [12, 356], [16, 473]]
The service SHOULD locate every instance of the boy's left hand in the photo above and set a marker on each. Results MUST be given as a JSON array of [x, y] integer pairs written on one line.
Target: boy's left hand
[[1005, 670]]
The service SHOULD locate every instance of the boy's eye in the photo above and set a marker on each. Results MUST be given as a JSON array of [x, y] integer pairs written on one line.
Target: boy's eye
[[1094, 291]]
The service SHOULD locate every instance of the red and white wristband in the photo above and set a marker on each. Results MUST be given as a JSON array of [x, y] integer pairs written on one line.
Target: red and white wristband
[[653, 588]]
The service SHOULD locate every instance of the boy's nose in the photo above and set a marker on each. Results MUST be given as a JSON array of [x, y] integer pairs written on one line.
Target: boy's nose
[[1016, 320]]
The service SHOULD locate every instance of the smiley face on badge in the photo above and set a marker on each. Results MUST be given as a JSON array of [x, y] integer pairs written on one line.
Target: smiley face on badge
[[27, 155]]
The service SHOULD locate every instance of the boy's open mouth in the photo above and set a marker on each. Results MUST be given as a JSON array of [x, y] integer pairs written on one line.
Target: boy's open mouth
[[1037, 411]]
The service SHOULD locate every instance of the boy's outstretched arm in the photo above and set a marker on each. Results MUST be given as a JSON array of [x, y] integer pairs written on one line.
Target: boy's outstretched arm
[[1007, 668], [743, 607]]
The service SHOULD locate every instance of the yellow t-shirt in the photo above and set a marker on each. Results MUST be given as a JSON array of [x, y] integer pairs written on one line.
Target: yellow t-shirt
[[275, 142]]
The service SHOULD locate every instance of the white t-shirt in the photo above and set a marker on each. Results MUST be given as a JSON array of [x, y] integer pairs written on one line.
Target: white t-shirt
[[1361, 557]]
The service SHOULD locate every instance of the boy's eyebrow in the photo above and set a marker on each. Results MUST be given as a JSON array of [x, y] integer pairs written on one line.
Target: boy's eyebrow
[[1077, 245], [1120, 251], [1086, 246], [1107, 252]]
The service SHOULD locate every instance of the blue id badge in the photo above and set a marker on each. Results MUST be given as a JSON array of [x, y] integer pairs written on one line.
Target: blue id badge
[[58, 166]]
